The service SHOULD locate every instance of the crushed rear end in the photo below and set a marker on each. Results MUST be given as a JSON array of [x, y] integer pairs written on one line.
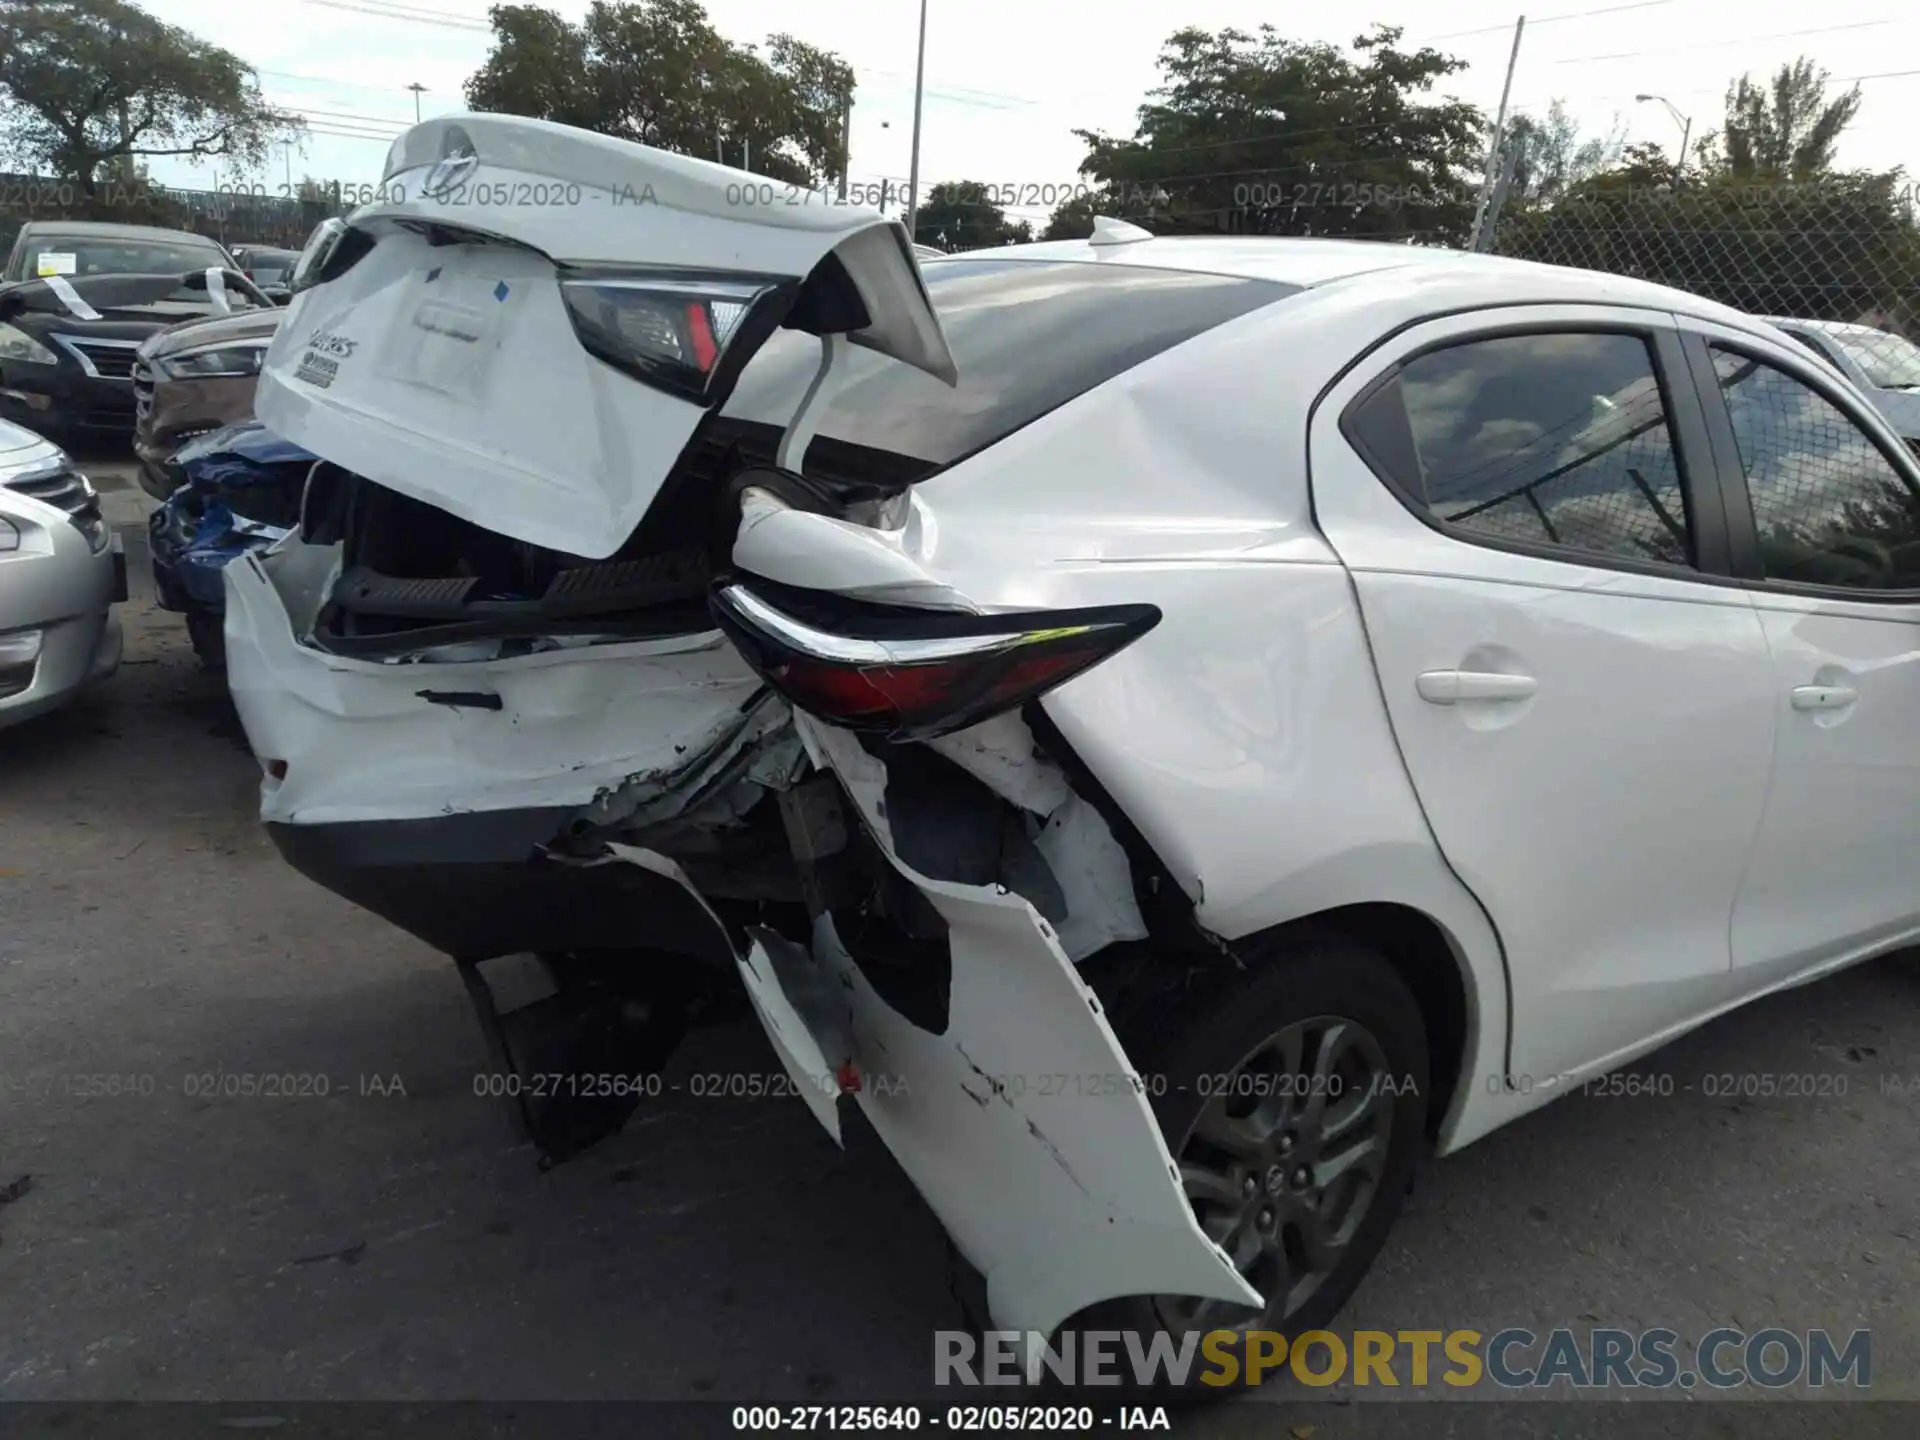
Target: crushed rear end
[[480, 676]]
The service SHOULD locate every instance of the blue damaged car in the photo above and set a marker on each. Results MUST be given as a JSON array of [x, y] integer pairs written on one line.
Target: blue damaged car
[[239, 490]]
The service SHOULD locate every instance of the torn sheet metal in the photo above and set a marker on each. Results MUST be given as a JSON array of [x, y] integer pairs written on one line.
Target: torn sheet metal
[[1089, 868], [1094, 878], [772, 970], [753, 745], [576, 727], [1000, 754], [1023, 1123]]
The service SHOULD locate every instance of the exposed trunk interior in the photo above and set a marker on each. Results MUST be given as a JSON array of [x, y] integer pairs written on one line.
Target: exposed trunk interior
[[414, 578]]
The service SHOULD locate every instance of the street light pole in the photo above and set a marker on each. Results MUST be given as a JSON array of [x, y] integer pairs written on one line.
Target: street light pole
[[913, 167], [1685, 121], [417, 88]]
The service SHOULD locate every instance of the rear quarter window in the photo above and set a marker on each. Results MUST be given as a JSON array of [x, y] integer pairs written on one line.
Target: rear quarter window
[[1027, 337]]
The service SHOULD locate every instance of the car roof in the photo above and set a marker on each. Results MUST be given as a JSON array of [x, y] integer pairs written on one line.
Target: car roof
[[110, 230], [1310, 263]]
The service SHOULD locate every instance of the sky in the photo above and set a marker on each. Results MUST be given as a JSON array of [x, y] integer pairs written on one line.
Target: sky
[[1008, 81]]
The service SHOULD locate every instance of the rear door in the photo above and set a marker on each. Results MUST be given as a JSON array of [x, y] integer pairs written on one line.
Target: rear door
[[1583, 705], [1824, 510], [531, 324]]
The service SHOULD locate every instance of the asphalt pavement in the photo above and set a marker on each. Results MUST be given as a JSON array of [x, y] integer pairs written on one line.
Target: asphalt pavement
[[384, 1235]]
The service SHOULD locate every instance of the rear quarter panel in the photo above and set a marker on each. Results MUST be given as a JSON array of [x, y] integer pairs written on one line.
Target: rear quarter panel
[[1246, 736]]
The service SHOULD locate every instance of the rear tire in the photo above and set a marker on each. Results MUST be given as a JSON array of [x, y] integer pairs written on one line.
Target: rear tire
[[1295, 1105], [209, 636]]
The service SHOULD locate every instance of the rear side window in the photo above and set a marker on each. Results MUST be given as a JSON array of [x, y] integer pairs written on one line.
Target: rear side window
[[1027, 336], [1545, 440]]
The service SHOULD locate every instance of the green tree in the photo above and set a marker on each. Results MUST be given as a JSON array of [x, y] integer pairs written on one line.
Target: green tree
[[1554, 155], [656, 71], [1787, 129], [88, 84], [1841, 248], [1141, 204], [963, 215], [1265, 135]]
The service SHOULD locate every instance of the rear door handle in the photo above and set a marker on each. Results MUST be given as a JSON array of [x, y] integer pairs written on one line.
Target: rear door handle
[[1823, 697], [1445, 687]]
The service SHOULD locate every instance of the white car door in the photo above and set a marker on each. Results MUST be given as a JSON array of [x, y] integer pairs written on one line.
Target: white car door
[[1823, 505], [1584, 709]]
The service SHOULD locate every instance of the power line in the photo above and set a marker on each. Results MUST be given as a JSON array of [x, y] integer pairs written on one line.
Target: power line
[[339, 84], [1726, 44], [1707, 90], [419, 16], [364, 122], [1545, 20]]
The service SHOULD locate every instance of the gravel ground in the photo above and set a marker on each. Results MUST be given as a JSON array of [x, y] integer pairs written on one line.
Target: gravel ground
[[380, 1245]]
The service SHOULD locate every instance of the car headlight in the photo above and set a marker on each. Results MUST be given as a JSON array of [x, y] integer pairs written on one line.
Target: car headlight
[[9, 536], [216, 363], [17, 345]]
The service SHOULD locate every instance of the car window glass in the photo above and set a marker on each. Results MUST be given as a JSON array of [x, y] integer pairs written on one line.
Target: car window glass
[[94, 257], [1889, 362], [1550, 439], [1026, 336], [1829, 507]]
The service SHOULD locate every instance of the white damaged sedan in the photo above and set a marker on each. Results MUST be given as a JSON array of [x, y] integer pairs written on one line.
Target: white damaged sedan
[[1175, 730]]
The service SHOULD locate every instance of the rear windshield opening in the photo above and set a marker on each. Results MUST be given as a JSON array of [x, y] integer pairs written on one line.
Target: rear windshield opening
[[1027, 337]]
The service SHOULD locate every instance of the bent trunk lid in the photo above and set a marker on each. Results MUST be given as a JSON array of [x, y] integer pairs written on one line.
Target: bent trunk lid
[[442, 362]]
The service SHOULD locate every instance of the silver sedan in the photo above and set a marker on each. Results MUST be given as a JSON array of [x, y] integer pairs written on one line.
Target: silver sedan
[[61, 570]]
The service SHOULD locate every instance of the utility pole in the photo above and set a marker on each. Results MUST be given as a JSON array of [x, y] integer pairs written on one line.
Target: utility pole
[[126, 138], [418, 89], [286, 149], [846, 139], [1496, 149], [746, 155], [1509, 160], [913, 168]]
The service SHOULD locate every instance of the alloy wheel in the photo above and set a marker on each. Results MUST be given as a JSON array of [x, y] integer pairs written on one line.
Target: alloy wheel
[[1283, 1163]]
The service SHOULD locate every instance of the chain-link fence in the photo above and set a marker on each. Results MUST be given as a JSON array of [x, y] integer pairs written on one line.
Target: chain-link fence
[[1840, 257], [246, 214], [1835, 263]]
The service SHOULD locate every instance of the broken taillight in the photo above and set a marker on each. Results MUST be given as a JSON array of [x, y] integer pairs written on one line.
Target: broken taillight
[[919, 676], [673, 331]]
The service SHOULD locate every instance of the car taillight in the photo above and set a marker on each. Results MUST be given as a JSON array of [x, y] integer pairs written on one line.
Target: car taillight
[[673, 332], [918, 677]]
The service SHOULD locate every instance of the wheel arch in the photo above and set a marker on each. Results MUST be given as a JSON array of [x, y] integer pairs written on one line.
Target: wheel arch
[[1425, 957]]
